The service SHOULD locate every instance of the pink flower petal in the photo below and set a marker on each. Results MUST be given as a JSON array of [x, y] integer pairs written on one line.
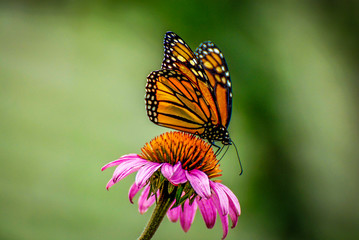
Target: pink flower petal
[[129, 157], [208, 211], [177, 166], [167, 170], [221, 196], [174, 214], [109, 184], [232, 198], [126, 168], [175, 174], [143, 202], [234, 207], [133, 191], [187, 215], [224, 220], [199, 182], [146, 172], [233, 214], [179, 174]]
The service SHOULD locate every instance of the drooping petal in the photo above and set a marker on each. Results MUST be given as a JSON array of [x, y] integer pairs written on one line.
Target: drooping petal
[[234, 207], [167, 170], [133, 191], [177, 166], [187, 215], [233, 214], [224, 220], [174, 174], [174, 214], [109, 184], [179, 174], [128, 157], [221, 196], [146, 172], [232, 198], [199, 182], [143, 202], [126, 168], [208, 211]]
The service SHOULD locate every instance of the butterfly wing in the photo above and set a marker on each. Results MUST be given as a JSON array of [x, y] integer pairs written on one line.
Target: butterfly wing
[[179, 56], [173, 101], [217, 73]]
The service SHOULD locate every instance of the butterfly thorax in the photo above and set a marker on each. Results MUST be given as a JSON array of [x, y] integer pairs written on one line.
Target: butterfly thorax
[[215, 133]]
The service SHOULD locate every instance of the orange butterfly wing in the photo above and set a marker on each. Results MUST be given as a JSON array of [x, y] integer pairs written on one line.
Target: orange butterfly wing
[[179, 56], [173, 101], [217, 72]]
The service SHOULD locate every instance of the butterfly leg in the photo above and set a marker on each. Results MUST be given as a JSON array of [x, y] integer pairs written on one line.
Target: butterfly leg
[[227, 147], [219, 149]]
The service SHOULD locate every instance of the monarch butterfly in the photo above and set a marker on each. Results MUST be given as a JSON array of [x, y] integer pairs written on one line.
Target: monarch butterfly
[[192, 92]]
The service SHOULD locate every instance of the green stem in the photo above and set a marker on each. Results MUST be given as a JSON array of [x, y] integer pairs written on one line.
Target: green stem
[[162, 206]]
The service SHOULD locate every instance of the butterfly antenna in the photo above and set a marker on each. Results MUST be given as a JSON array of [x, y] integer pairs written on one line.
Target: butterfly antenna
[[224, 152], [239, 159]]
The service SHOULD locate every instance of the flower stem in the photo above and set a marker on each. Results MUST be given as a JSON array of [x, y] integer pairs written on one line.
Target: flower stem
[[162, 206]]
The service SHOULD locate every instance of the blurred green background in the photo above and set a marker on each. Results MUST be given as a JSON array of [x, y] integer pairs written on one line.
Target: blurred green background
[[72, 78]]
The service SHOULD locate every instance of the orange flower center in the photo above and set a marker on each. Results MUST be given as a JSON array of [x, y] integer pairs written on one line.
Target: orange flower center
[[191, 151]]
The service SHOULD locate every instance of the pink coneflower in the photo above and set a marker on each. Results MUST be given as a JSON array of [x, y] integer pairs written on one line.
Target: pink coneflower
[[174, 170]]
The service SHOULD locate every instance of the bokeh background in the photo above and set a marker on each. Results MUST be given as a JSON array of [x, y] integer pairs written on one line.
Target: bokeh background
[[72, 78]]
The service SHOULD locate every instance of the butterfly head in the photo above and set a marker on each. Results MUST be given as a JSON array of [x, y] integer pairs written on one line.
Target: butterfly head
[[226, 139]]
